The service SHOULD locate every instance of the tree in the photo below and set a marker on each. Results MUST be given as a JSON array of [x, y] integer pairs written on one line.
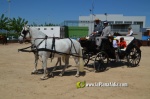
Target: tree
[[17, 24], [4, 22]]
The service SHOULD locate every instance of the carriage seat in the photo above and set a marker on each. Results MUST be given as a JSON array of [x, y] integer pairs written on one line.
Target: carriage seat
[[128, 40]]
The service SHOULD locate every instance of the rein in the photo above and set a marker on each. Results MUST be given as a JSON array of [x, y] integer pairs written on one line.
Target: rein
[[35, 49], [48, 50]]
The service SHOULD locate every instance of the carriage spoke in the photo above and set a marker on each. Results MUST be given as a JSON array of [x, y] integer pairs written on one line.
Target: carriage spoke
[[101, 61], [134, 57]]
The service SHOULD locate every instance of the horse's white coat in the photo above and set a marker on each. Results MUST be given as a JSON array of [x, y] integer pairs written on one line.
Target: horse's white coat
[[61, 45]]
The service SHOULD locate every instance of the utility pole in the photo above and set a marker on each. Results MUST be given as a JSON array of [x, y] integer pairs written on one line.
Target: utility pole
[[106, 16], [92, 14], [8, 14], [8, 8]]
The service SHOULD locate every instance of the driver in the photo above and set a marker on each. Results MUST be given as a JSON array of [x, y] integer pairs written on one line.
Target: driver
[[97, 27]]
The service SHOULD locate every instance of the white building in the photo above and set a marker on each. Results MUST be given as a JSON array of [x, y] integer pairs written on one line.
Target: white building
[[52, 31], [119, 22]]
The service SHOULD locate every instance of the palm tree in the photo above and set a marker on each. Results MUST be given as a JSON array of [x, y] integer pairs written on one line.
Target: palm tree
[[4, 22], [17, 24]]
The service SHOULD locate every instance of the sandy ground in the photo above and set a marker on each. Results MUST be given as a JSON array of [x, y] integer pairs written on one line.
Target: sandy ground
[[16, 81]]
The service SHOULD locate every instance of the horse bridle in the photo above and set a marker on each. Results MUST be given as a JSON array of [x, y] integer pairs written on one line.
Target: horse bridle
[[24, 33]]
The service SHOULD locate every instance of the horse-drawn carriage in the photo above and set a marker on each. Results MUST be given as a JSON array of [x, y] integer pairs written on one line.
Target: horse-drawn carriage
[[45, 47], [106, 52]]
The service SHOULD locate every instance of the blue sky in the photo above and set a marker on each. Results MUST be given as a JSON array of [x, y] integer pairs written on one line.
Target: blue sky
[[56, 11]]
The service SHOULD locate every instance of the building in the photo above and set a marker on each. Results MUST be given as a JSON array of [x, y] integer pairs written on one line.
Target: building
[[52, 31], [119, 22], [146, 34]]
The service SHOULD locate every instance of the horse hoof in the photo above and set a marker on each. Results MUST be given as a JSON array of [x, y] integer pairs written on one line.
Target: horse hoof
[[44, 78], [50, 75], [35, 72], [60, 75], [76, 75]]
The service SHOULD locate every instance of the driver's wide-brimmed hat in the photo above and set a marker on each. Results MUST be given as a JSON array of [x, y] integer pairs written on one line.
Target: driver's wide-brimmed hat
[[129, 27], [97, 19]]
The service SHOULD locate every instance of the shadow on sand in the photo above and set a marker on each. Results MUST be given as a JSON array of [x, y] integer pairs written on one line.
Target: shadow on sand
[[111, 64], [58, 70], [72, 72]]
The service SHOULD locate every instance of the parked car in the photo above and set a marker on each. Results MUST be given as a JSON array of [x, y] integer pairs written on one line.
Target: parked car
[[12, 38]]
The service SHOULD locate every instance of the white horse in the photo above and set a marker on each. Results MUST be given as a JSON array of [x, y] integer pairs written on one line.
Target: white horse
[[22, 39], [66, 46]]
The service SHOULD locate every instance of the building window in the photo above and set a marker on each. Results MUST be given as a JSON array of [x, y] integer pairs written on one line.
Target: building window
[[51, 28], [38, 28], [127, 22], [111, 22], [118, 22], [139, 23], [45, 28]]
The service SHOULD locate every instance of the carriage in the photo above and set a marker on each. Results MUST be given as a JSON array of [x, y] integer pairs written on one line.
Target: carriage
[[106, 53], [45, 47]]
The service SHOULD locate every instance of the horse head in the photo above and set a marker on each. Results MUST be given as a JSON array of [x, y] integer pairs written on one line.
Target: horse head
[[25, 34]]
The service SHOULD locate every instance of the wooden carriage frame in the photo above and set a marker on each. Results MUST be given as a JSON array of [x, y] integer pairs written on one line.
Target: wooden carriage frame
[[106, 52]]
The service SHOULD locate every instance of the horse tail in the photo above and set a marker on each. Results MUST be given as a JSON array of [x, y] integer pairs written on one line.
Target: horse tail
[[81, 65]]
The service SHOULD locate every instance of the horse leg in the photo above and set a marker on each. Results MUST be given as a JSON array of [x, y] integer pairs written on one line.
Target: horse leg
[[66, 65], [36, 62], [3, 41], [58, 61], [44, 61], [77, 63]]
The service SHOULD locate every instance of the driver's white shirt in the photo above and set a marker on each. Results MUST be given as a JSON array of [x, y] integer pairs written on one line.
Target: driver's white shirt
[[106, 31]]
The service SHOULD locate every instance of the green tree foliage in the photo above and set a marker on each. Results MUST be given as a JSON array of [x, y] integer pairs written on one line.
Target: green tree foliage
[[17, 24], [4, 22]]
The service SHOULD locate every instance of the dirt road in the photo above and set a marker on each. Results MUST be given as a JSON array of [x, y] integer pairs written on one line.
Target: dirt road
[[16, 81]]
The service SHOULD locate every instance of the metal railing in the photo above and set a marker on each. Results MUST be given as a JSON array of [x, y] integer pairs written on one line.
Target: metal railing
[[119, 30]]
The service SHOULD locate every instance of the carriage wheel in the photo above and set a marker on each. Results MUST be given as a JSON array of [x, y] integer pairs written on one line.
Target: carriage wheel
[[101, 62], [134, 57]]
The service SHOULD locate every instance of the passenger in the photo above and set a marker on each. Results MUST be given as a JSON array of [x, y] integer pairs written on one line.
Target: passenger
[[122, 44], [115, 45], [130, 31], [106, 29]]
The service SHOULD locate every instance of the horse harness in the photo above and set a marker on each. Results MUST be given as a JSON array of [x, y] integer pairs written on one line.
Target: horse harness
[[35, 49], [53, 49]]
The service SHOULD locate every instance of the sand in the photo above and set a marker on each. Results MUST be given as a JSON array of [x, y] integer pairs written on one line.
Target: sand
[[16, 81]]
